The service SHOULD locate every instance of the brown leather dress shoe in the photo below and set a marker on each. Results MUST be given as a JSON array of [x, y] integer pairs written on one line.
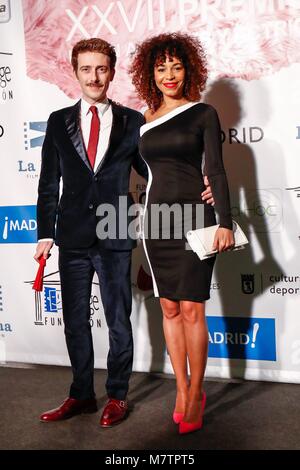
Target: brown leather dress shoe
[[114, 412], [70, 407]]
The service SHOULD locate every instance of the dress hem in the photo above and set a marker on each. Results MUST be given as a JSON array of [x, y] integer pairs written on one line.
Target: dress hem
[[181, 297]]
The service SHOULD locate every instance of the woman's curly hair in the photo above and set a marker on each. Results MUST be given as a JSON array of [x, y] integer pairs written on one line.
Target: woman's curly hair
[[155, 49]]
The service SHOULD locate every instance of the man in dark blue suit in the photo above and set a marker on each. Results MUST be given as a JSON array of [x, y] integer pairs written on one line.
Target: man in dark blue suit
[[92, 147]]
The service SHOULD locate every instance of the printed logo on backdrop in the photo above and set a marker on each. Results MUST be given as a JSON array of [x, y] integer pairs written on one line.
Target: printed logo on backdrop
[[262, 208], [245, 135], [5, 327], [34, 135], [283, 285], [48, 303], [18, 224], [274, 24], [242, 338], [248, 284], [278, 284], [6, 77], [4, 11], [1, 131]]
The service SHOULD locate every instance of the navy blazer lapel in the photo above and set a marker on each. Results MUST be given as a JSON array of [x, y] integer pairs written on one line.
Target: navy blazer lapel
[[72, 120], [117, 131]]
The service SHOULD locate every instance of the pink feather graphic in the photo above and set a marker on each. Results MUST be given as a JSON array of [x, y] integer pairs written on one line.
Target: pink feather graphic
[[246, 40]]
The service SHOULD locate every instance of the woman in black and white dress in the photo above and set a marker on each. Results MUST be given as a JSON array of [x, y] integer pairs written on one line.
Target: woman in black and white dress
[[169, 73]]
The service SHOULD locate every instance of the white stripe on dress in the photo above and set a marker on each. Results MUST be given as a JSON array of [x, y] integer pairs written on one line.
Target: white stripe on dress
[[149, 125], [150, 178]]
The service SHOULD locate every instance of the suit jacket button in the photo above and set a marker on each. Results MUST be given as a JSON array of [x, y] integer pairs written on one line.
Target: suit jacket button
[[96, 178], [91, 206]]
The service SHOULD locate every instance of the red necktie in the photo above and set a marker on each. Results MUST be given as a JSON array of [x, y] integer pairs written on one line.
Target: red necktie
[[94, 136]]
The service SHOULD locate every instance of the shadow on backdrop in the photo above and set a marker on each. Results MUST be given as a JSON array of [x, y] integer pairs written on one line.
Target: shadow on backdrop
[[243, 276]]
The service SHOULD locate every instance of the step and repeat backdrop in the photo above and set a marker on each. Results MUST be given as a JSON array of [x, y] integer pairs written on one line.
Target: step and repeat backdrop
[[254, 62]]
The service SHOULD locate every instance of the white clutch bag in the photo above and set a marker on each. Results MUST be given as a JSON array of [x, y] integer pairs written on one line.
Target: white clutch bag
[[201, 240]]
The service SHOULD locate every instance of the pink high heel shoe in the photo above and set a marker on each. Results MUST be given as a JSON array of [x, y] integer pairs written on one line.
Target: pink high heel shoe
[[177, 417], [185, 427]]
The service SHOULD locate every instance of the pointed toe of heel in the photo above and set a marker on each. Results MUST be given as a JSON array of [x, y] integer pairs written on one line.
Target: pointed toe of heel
[[185, 427], [177, 417]]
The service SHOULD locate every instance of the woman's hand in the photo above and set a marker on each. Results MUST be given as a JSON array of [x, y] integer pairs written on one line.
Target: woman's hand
[[207, 194], [224, 239]]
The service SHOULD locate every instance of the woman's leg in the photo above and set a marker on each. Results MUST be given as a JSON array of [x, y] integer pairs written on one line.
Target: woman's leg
[[196, 339], [175, 340]]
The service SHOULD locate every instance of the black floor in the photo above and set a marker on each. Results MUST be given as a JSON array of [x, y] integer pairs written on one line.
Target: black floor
[[239, 415]]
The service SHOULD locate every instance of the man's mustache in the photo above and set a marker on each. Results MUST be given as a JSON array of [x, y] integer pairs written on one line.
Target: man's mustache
[[95, 83]]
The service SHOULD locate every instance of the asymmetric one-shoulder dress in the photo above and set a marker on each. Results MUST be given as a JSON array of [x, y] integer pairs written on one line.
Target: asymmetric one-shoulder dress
[[177, 147]]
